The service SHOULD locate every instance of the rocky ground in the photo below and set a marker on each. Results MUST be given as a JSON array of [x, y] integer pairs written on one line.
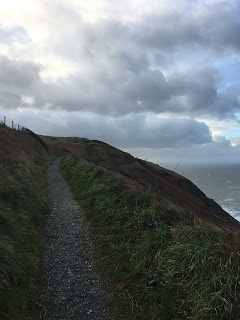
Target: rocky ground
[[72, 289]]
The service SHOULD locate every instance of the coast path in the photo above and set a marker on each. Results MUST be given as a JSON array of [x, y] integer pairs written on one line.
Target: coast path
[[71, 289]]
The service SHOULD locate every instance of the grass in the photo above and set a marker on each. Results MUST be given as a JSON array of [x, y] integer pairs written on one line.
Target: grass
[[157, 259], [23, 208], [156, 268]]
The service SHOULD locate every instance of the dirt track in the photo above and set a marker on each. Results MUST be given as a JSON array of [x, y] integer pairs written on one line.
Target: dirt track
[[72, 291]]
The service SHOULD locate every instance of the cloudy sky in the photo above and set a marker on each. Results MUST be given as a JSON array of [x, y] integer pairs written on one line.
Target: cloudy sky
[[159, 79]]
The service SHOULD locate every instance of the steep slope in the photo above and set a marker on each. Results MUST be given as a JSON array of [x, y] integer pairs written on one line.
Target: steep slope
[[159, 260], [23, 207], [150, 178]]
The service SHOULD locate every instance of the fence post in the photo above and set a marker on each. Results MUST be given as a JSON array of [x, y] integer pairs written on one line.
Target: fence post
[[4, 120], [18, 127], [12, 124]]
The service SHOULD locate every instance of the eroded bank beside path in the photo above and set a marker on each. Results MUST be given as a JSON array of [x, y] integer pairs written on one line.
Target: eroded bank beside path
[[72, 289]]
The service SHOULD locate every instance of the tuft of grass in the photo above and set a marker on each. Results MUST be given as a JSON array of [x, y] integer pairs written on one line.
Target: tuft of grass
[[23, 208], [157, 261]]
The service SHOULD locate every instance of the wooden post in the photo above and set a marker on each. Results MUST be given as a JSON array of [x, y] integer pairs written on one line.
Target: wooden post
[[4, 120], [12, 124], [18, 127]]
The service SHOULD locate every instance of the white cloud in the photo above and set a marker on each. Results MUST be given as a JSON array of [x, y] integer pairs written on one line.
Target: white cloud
[[235, 141]]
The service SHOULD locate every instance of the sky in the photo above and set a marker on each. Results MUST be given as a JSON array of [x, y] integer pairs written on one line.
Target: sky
[[158, 79]]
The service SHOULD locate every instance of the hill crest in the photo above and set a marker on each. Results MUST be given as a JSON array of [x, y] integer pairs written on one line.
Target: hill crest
[[143, 175]]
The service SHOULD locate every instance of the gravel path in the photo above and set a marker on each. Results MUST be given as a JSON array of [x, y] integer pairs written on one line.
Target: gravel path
[[72, 291]]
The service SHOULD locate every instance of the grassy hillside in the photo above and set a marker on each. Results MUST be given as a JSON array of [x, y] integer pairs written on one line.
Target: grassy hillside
[[159, 261], [145, 176], [163, 249], [23, 207]]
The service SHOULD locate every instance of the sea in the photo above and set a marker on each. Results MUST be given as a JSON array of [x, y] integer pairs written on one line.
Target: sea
[[220, 182]]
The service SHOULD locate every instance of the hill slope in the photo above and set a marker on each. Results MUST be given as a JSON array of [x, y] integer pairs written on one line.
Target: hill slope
[[23, 207], [151, 178], [164, 250]]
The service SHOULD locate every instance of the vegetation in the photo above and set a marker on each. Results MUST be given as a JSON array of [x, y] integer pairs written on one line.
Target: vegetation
[[158, 259], [157, 268], [23, 207]]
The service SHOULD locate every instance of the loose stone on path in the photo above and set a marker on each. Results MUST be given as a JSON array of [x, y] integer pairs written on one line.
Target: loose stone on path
[[72, 291]]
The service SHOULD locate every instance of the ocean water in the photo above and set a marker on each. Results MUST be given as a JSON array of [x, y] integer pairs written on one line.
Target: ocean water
[[220, 182]]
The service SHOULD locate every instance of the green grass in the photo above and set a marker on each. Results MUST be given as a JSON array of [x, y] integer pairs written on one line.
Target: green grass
[[156, 268], [23, 209]]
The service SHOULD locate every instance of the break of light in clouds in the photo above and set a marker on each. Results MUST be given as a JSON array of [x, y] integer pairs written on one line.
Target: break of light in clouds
[[156, 78]]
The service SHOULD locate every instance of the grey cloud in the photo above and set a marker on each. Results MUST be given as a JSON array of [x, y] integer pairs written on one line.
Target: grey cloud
[[9, 99], [162, 140], [123, 92], [149, 87], [142, 130], [119, 78], [124, 67], [217, 151], [110, 89], [236, 141], [198, 94], [210, 26], [19, 74], [184, 93], [154, 132], [173, 30], [17, 79], [219, 25], [222, 142], [136, 63]]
